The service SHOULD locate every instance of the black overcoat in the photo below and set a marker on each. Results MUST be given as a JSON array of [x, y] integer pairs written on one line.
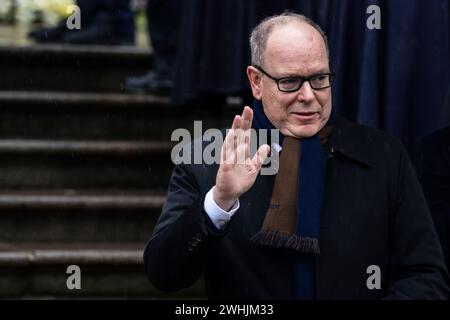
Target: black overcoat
[[374, 213]]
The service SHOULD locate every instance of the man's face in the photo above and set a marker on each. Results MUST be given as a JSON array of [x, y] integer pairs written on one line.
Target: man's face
[[293, 50]]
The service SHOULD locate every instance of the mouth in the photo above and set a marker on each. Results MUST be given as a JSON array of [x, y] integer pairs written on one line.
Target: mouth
[[305, 116]]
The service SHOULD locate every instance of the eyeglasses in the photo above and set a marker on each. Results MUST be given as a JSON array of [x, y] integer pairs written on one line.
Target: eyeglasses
[[292, 84]]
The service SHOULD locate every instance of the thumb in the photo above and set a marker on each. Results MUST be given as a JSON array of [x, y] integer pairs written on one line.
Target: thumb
[[261, 155]]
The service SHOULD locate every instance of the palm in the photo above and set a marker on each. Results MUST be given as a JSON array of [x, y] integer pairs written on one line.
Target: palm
[[237, 178], [237, 172]]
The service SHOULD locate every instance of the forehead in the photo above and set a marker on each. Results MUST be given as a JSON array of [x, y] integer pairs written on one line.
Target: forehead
[[295, 48]]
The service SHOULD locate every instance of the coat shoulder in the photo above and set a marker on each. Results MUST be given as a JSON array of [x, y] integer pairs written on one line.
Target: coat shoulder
[[369, 134], [367, 144]]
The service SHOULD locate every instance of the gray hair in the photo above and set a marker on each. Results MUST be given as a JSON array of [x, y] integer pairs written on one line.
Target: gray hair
[[260, 34]]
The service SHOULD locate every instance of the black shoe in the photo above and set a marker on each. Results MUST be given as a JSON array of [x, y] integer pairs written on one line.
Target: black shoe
[[104, 30], [49, 35], [149, 83]]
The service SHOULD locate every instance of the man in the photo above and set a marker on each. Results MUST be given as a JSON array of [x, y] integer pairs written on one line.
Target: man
[[163, 27], [344, 217]]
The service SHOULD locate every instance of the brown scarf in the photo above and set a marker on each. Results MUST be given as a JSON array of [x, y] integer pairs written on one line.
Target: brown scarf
[[280, 222]]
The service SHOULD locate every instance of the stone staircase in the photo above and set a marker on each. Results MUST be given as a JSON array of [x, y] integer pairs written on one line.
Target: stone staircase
[[83, 171]]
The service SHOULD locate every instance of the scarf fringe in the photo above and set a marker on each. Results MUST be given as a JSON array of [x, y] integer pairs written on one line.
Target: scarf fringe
[[288, 241]]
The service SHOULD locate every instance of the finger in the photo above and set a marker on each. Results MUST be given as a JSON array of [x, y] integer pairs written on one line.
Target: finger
[[240, 135], [247, 145], [228, 143], [247, 118], [261, 156], [230, 134], [235, 142], [236, 122], [240, 147], [228, 147]]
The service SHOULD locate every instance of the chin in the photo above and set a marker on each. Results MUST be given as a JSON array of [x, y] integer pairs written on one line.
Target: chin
[[304, 131]]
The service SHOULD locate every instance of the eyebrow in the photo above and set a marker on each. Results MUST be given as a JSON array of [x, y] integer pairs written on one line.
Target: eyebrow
[[321, 71]]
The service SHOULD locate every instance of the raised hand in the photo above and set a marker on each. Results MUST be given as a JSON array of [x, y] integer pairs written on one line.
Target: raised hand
[[237, 172]]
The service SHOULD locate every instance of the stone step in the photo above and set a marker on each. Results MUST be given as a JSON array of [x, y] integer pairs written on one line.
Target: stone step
[[71, 199], [78, 116], [106, 270], [52, 147], [69, 164], [80, 99], [27, 254], [74, 68], [71, 216]]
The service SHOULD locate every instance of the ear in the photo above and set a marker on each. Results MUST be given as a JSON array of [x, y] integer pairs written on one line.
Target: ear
[[255, 79]]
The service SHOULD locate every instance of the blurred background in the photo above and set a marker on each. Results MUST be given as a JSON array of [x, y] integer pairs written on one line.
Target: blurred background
[[87, 116]]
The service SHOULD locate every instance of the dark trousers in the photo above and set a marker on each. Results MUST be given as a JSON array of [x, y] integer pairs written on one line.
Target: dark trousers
[[163, 26], [118, 10]]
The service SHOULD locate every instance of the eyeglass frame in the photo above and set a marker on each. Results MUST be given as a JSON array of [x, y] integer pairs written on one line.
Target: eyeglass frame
[[303, 79]]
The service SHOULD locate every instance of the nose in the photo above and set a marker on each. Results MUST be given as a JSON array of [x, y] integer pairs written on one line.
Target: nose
[[305, 94]]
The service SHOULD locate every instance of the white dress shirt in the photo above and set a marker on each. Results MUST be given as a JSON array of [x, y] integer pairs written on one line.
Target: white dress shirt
[[218, 216]]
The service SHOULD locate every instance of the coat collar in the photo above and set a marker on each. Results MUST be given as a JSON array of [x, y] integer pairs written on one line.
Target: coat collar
[[349, 141]]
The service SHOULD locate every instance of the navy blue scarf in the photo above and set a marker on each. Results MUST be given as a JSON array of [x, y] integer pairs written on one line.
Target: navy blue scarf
[[311, 173]]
